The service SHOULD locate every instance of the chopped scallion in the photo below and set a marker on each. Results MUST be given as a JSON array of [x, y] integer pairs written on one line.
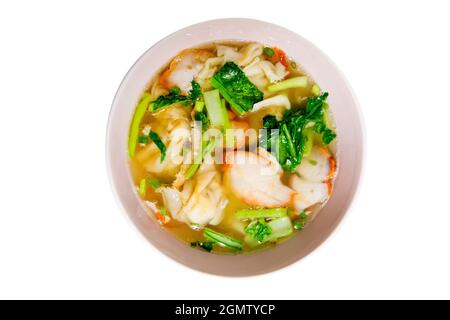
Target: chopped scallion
[[143, 139], [143, 187], [208, 246], [268, 52], [157, 140], [298, 225], [300, 222], [154, 183]]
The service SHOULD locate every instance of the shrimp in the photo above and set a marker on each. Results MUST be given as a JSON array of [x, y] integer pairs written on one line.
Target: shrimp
[[309, 193], [313, 181], [319, 166], [184, 68], [256, 179]]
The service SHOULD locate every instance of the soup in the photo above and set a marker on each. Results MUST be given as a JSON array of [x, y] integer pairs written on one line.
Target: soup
[[232, 147]]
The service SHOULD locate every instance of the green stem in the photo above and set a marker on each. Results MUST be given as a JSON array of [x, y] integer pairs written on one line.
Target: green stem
[[274, 213], [222, 239], [137, 118], [289, 139]]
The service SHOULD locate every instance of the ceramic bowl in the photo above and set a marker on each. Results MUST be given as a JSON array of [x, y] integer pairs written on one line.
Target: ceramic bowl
[[350, 145]]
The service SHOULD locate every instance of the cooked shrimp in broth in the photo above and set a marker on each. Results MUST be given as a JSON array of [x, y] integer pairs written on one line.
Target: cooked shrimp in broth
[[232, 147]]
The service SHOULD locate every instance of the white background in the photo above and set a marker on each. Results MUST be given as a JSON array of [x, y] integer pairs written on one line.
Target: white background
[[61, 232]]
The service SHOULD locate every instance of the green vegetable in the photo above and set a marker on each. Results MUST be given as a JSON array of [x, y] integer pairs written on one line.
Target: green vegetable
[[137, 118], [268, 52], [154, 183], [196, 92], [269, 139], [281, 228], [290, 139], [157, 140], [175, 96], [209, 147], [317, 110], [236, 88], [143, 187], [217, 112], [245, 214], [203, 118], [224, 104], [315, 90], [270, 122], [258, 230], [297, 82], [143, 139], [300, 222], [299, 225], [163, 211], [272, 139], [228, 131], [222, 239], [208, 246], [192, 170], [199, 105], [309, 141]]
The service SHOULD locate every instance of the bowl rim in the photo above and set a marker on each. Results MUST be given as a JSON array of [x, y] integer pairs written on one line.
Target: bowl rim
[[355, 187]]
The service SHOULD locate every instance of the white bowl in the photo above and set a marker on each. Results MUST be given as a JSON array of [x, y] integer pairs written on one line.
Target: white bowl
[[350, 144]]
